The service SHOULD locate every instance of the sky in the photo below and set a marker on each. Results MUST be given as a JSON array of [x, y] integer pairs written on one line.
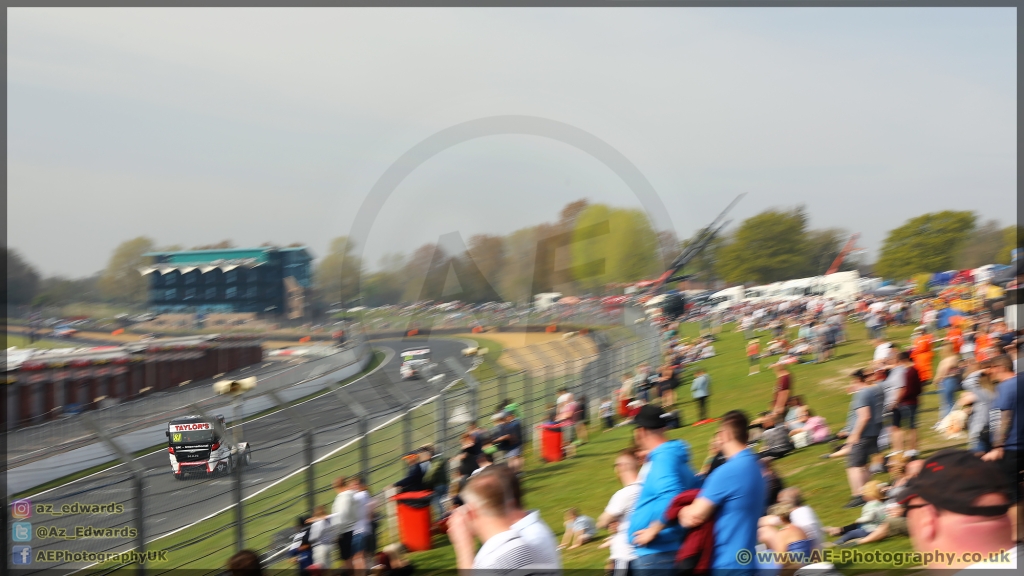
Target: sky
[[192, 126]]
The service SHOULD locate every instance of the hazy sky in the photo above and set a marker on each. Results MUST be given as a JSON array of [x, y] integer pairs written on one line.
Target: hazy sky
[[195, 125]]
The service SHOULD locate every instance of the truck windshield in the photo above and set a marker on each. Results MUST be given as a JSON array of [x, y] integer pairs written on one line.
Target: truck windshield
[[192, 437]]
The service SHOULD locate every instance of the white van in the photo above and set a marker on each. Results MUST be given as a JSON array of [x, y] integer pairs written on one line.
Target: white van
[[725, 299], [841, 286]]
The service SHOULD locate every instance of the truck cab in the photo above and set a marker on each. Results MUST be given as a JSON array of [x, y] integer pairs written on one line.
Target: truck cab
[[413, 361], [194, 447]]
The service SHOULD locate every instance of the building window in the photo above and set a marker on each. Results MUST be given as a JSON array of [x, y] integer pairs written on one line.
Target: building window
[[251, 293], [231, 276], [211, 277], [170, 294], [190, 293], [211, 293], [231, 292], [190, 278], [253, 275], [170, 278]]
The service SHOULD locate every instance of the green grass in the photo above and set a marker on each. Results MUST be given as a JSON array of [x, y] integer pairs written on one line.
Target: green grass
[[378, 357], [588, 481], [21, 341]]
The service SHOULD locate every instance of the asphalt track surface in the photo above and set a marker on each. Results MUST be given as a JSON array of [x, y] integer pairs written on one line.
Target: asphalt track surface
[[276, 452]]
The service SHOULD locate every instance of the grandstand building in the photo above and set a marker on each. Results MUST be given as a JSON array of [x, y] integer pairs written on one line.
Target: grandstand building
[[263, 280]]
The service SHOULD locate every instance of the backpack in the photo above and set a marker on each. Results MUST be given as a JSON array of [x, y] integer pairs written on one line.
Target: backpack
[[437, 473]]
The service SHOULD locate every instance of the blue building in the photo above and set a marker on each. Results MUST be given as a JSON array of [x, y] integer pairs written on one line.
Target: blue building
[[266, 279]]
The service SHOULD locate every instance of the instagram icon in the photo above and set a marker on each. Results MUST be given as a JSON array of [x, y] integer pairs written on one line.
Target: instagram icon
[[21, 509]]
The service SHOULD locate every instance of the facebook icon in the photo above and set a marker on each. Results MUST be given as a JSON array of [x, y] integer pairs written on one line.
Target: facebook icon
[[21, 554]]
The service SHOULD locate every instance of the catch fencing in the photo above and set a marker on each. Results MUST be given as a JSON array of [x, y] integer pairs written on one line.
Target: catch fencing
[[361, 428]]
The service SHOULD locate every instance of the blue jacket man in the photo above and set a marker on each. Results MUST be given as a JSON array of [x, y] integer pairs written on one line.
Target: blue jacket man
[[665, 474]]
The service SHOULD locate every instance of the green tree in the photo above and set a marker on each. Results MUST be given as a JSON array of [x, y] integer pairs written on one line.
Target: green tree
[[1013, 237], [22, 280], [824, 246], [925, 243], [767, 247], [121, 280], [626, 253], [337, 275], [983, 246]]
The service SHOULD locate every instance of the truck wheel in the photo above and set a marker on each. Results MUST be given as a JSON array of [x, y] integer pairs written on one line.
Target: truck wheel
[[247, 457], [179, 475]]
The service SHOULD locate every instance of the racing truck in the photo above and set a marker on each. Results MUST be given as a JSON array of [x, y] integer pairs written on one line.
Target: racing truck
[[413, 362], [194, 447]]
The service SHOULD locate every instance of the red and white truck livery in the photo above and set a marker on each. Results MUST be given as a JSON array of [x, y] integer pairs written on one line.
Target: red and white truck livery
[[194, 447]]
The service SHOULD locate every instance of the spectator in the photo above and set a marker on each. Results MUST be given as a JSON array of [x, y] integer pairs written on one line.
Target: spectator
[[754, 356], [921, 353], [980, 393], [484, 515], [579, 420], [949, 375], [783, 388], [895, 524], [323, 537], [528, 523], [607, 412], [775, 442], [617, 513], [773, 484], [872, 515], [363, 538], [700, 390], [734, 494], [786, 536], [564, 396], [666, 473], [882, 350], [957, 503], [667, 384], [1006, 444], [344, 512], [893, 388], [300, 548], [467, 456], [579, 530], [416, 465], [864, 422], [905, 412], [435, 478], [245, 563], [510, 440], [802, 515], [483, 461]]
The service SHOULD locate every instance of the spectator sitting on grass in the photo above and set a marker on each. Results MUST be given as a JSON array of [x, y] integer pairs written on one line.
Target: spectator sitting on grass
[[785, 536], [579, 530], [801, 515], [895, 523], [872, 515], [775, 442]]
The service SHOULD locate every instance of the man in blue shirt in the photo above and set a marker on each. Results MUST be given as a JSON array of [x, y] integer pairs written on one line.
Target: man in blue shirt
[[733, 494], [666, 473], [1006, 443]]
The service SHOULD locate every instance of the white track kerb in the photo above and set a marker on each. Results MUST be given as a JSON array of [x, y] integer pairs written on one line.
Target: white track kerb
[[388, 355]]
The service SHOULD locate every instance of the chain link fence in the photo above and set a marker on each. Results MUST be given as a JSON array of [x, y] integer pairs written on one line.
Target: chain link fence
[[361, 428]]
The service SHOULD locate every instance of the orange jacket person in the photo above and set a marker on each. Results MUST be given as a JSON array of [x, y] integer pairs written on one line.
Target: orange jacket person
[[921, 353], [955, 336]]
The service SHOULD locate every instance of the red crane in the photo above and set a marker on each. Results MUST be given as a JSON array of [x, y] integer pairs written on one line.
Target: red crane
[[850, 245]]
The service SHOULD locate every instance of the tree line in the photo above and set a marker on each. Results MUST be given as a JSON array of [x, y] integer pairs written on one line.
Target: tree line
[[588, 248]]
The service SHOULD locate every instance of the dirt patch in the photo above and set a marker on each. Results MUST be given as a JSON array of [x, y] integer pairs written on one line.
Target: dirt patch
[[513, 340]]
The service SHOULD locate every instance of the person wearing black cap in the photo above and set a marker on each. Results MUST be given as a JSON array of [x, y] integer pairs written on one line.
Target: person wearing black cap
[[957, 504], [666, 473]]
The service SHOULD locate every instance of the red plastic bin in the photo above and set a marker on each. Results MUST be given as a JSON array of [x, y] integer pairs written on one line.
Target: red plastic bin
[[414, 519]]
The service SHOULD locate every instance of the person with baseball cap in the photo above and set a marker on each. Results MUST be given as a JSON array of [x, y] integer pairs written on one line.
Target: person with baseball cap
[[957, 504], [665, 474]]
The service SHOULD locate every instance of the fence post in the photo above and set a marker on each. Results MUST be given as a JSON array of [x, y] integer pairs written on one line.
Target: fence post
[[503, 388], [307, 449], [528, 401], [138, 475], [236, 473], [441, 422]]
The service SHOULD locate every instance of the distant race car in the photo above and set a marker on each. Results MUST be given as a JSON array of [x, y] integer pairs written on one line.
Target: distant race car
[[413, 361], [64, 331]]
